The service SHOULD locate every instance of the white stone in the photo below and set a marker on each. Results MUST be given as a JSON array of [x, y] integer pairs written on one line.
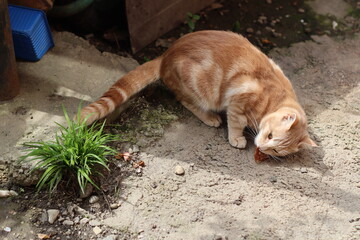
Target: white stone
[[68, 222], [97, 230], [52, 215], [93, 199], [179, 170], [84, 221]]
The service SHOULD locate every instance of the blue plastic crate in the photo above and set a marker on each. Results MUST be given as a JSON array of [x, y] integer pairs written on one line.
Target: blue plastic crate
[[31, 33]]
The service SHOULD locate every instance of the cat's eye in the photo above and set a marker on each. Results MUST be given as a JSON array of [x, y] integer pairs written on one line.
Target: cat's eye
[[270, 136], [275, 151]]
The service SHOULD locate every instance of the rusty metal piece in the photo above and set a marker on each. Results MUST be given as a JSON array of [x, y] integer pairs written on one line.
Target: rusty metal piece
[[9, 79]]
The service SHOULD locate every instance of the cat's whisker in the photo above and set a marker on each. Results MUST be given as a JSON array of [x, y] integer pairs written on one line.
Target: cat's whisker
[[254, 122]]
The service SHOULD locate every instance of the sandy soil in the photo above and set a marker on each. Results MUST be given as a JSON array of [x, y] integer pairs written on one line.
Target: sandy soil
[[225, 194]]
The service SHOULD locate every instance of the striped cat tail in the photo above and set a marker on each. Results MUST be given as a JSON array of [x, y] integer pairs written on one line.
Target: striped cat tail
[[122, 90]]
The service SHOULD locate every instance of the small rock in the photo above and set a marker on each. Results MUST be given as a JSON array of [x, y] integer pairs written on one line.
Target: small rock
[[52, 215], [7, 193], [269, 1], [7, 229], [68, 222], [93, 199], [179, 170], [136, 148], [276, 34], [334, 25], [303, 170], [110, 237], [249, 30], [273, 179], [301, 10], [97, 230], [357, 227], [138, 171], [262, 20], [70, 209], [94, 223], [76, 220], [84, 221], [114, 205]]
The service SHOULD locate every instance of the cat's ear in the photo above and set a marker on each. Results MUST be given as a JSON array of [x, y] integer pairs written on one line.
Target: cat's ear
[[307, 142], [289, 120]]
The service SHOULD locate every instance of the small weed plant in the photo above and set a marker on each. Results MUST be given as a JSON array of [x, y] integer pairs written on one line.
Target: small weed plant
[[191, 20], [77, 154]]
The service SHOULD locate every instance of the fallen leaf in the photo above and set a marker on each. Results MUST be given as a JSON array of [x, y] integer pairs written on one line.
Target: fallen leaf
[[141, 163], [216, 6], [126, 156], [43, 236]]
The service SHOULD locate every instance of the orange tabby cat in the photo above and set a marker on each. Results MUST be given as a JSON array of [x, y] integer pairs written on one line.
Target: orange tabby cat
[[213, 71]]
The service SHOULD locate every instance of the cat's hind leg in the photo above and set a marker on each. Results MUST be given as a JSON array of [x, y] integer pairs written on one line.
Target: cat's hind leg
[[209, 118]]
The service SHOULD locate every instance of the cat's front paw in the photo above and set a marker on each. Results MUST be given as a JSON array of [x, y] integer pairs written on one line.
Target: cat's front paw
[[212, 120], [238, 142]]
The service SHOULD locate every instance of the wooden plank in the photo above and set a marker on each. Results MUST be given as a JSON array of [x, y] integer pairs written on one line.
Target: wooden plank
[[9, 79], [147, 20]]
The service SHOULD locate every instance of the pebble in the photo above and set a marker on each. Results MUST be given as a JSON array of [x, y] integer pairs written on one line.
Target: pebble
[[179, 170], [301, 10], [114, 205], [68, 222], [52, 215], [7, 229], [357, 227], [76, 220], [262, 20], [97, 230], [7, 193], [303, 170], [136, 148], [93, 199], [273, 179], [94, 223], [249, 30], [84, 221]]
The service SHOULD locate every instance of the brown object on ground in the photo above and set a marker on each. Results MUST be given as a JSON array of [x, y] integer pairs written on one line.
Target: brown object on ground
[[9, 79], [44, 5], [147, 20], [260, 156]]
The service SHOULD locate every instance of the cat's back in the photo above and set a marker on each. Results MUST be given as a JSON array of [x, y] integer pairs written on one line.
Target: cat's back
[[220, 47]]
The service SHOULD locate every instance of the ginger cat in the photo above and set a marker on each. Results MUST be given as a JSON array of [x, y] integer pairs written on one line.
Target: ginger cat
[[213, 71]]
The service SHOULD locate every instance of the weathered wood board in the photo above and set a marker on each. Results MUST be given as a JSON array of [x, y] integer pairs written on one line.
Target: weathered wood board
[[147, 20]]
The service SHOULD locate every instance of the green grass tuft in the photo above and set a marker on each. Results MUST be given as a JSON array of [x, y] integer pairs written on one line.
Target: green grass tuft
[[75, 156]]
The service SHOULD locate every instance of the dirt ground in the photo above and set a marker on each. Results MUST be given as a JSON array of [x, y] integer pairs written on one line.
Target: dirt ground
[[223, 193]]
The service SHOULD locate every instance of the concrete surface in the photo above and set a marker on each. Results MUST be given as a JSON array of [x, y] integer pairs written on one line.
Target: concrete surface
[[335, 8]]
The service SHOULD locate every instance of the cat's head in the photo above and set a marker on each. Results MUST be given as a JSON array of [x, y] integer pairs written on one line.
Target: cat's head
[[282, 133]]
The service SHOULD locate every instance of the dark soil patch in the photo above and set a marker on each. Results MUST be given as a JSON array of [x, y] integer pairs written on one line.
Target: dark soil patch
[[267, 24]]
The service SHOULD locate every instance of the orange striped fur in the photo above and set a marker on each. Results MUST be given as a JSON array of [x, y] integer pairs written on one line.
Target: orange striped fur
[[213, 71]]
